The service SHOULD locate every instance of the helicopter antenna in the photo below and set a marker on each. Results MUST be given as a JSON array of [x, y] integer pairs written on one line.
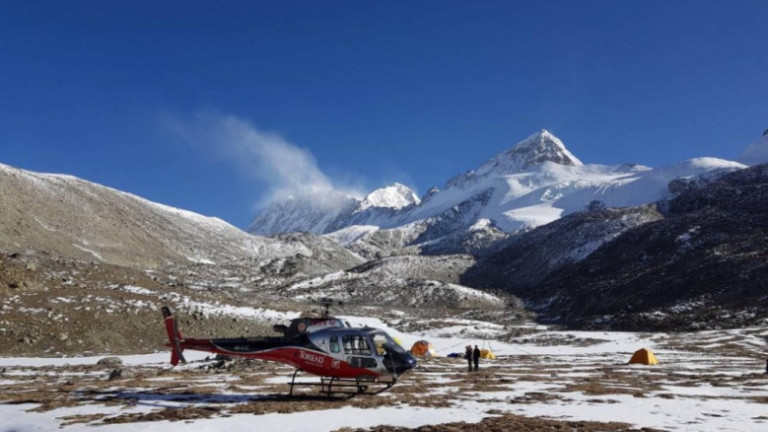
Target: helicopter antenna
[[327, 303]]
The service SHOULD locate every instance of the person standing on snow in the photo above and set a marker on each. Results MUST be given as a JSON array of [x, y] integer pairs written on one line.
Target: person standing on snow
[[476, 356], [468, 356]]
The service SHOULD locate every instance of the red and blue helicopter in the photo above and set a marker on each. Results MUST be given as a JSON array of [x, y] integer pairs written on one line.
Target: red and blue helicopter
[[343, 356]]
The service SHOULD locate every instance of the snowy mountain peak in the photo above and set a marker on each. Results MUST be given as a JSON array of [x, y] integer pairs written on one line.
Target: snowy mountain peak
[[538, 148], [395, 196], [532, 183]]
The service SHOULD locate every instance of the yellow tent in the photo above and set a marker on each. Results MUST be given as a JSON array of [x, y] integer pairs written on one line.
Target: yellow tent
[[487, 354], [423, 348], [644, 356]]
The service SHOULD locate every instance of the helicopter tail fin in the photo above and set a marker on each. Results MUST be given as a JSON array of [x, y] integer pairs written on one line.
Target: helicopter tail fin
[[174, 337]]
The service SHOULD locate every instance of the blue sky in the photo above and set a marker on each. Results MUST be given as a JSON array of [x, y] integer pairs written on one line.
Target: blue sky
[[141, 95]]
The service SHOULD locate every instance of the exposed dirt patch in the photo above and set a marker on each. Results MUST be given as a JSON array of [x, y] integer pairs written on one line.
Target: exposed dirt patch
[[537, 397], [510, 422], [178, 414]]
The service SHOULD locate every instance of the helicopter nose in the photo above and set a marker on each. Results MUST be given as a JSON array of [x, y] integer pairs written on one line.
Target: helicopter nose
[[410, 362], [399, 362], [406, 363]]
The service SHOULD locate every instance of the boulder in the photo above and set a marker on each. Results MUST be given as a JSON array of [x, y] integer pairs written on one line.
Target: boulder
[[110, 361]]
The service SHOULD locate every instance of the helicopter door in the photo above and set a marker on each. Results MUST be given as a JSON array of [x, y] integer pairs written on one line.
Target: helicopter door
[[359, 352]]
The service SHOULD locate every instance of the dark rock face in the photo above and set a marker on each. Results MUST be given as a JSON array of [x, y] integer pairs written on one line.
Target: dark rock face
[[697, 261], [451, 221], [704, 265], [528, 258]]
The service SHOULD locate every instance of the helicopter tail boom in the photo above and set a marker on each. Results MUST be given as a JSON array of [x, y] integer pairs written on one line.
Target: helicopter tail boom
[[174, 337]]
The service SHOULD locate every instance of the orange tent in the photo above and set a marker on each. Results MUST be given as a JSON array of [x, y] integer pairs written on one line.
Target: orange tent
[[423, 348], [643, 356]]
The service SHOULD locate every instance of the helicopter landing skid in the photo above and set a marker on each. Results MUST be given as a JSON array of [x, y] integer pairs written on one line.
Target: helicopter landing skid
[[349, 386]]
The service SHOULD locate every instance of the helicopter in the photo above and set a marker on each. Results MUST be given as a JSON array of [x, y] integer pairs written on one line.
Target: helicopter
[[343, 356]]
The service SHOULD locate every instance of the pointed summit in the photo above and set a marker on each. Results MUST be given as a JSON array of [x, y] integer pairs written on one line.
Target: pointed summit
[[545, 146], [538, 148]]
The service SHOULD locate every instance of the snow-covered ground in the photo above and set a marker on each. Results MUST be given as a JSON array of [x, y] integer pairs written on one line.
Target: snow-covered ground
[[706, 381]]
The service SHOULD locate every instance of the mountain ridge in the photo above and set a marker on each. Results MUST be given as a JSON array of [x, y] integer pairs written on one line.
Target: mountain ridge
[[74, 218], [712, 221], [701, 264], [536, 181]]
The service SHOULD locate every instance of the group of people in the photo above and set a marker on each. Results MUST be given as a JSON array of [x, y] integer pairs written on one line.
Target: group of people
[[472, 356]]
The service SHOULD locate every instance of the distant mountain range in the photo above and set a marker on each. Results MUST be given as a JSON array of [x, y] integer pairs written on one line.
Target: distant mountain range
[[622, 246], [533, 183]]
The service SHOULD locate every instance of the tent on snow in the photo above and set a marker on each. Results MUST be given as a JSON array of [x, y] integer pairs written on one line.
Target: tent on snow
[[643, 356], [423, 348], [487, 354]]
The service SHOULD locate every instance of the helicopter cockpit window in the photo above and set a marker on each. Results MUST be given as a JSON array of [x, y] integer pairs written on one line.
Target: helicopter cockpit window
[[356, 344], [334, 344], [385, 343]]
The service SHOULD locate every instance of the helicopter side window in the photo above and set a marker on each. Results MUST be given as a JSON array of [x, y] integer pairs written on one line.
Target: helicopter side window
[[363, 362], [334, 344], [356, 344]]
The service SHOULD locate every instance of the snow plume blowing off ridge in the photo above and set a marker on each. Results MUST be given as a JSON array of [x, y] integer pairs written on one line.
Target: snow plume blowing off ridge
[[757, 152], [288, 170]]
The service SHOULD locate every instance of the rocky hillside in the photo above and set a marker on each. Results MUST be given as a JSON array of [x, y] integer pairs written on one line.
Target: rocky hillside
[[703, 265], [75, 219], [74, 254], [402, 281], [98, 308], [96, 264], [525, 260]]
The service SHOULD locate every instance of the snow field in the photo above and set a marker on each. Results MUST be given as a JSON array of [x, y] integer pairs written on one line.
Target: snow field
[[570, 375]]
